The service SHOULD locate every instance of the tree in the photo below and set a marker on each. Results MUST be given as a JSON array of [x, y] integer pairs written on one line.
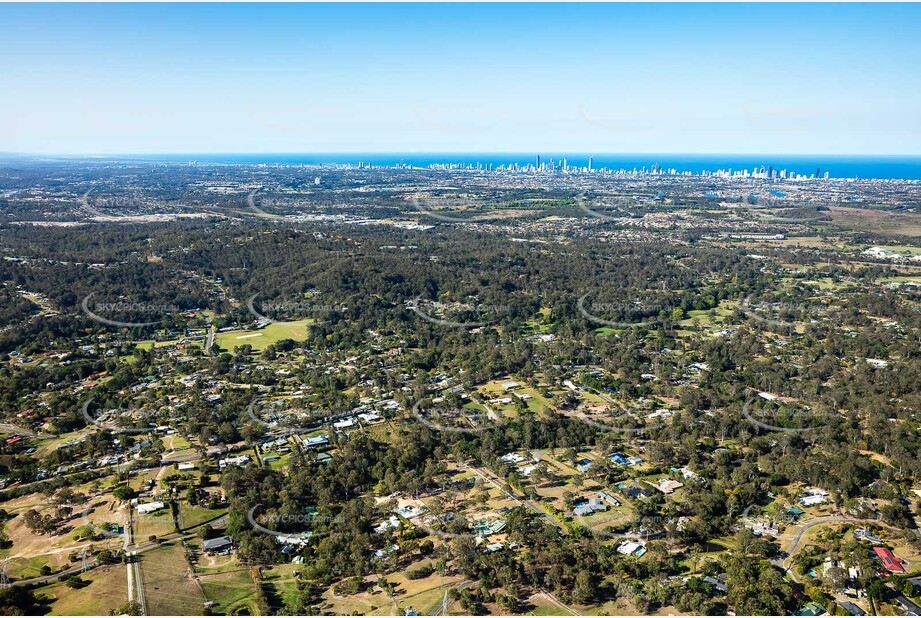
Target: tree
[[123, 492], [584, 591], [131, 608]]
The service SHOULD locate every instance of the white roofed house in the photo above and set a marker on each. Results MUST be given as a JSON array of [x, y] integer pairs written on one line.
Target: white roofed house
[[316, 441], [814, 496], [608, 498], [240, 461], [370, 417], [345, 423], [150, 507]]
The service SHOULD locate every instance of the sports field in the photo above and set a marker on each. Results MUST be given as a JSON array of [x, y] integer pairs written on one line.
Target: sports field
[[263, 337]]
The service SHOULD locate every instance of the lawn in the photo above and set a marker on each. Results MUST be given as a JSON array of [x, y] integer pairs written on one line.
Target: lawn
[[159, 524], [263, 337], [230, 591], [277, 464], [175, 442], [280, 585], [196, 515]]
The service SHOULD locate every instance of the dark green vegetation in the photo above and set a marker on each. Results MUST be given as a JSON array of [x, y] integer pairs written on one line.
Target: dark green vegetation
[[779, 368]]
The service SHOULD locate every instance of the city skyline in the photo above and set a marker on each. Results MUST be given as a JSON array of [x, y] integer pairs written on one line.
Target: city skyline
[[665, 78]]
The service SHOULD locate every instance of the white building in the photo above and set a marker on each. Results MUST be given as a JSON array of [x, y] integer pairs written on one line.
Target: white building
[[150, 507]]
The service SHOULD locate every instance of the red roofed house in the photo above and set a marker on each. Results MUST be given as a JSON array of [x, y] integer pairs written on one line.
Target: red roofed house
[[890, 561]]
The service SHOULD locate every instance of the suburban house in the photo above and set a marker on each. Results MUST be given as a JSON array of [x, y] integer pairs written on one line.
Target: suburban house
[[608, 498], [219, 545], [890, 561], [864, 535], [814, 496], [852, 609], [587, 508]]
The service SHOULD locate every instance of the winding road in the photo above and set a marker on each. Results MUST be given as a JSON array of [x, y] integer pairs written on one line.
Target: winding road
[[831, 519]]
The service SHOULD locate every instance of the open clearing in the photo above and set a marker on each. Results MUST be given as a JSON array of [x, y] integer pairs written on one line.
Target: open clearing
[[107, 591], [230, 591], [264, 337], [169, 589]]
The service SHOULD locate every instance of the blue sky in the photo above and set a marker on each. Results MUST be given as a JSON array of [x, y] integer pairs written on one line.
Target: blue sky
[[718, 78]]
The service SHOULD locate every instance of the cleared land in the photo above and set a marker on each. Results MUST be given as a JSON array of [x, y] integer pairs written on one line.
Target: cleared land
[[264, 337]]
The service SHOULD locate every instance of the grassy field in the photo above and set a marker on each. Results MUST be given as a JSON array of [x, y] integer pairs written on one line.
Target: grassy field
[[280, 585], [196, 515], [159, 524], [175, 442], [168, 588], [880, 221], [35, 550], [901, 279], [230, 591], [903, 249], [107, 591], [423, 595], [262, 338]]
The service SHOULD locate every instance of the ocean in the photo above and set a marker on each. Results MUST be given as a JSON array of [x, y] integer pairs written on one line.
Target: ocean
[[876, 166]]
